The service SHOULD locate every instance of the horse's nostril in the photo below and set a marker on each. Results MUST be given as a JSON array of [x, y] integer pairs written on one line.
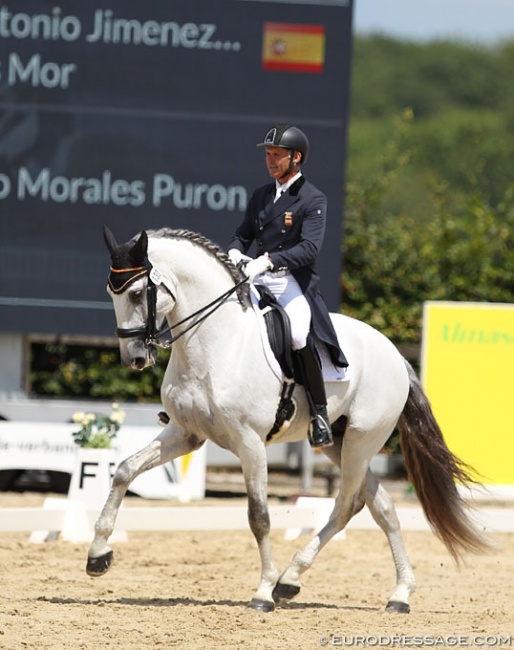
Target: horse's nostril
[[138, 363]]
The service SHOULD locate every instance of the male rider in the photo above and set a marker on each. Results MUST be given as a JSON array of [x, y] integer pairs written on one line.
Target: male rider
[[286, 220]]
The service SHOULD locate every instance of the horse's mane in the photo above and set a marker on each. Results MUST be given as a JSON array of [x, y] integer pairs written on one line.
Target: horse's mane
[[210, 247]]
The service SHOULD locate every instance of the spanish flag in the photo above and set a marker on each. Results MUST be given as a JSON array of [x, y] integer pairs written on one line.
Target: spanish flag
[[293, 47]]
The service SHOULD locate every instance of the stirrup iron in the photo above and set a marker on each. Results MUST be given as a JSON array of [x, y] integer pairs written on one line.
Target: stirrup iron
[[320, 432]]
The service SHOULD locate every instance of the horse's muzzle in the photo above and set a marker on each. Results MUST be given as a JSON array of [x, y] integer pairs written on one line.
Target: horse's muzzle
[[137, 355]]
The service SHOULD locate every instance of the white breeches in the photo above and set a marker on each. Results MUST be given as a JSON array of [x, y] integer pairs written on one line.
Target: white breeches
[[289, 296]]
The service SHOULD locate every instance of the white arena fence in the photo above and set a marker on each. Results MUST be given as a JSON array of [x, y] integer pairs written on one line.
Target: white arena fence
[[69, 519]]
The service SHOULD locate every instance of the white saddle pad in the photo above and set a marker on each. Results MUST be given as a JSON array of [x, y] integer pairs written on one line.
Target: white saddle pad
[[330, 372]]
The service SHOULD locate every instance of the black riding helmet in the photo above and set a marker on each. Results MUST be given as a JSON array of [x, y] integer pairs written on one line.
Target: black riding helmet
[[288, 137]]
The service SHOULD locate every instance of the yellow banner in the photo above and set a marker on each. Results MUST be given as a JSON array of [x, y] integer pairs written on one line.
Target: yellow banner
[[293, 47], [468, 366]]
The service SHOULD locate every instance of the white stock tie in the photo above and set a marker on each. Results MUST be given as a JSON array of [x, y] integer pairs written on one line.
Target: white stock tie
[[279, 193]]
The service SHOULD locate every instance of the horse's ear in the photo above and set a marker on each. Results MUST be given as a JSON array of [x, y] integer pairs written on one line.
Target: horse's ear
[[141, 246], [110, 240]]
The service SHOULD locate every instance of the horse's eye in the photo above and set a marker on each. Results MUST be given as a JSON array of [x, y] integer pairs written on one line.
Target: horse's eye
[[136, 296]]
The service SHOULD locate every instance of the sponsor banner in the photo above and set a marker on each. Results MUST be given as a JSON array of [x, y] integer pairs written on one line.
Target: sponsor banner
[[467, 361]]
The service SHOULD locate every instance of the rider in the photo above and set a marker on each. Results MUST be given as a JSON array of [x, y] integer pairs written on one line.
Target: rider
[[286, 219]]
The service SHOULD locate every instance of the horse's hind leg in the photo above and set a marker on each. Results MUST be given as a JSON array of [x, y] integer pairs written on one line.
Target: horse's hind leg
[[349, 501], [169, 444], [382, 508]]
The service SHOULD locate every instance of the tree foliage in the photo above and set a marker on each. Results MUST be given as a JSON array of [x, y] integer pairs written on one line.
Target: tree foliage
[[461, 98], [431, 78], [430, 195]]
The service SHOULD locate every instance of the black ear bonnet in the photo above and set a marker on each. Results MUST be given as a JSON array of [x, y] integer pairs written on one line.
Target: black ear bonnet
[[129, 262]]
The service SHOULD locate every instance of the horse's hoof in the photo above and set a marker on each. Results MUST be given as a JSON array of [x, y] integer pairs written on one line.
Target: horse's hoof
[[397, 607], [284, 592], [97, 566], [261, 605]]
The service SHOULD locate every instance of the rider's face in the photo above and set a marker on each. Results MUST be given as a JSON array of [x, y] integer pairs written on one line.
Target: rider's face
[[277, 162]]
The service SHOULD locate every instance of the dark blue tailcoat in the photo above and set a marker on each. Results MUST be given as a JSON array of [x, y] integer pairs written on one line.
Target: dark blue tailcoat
[[291, 231]]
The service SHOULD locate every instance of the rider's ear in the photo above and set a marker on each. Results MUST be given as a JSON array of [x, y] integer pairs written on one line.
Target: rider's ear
[[110, 240]]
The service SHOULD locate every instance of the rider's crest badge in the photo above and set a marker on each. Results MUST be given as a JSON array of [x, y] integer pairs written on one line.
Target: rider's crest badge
[[288, 218]]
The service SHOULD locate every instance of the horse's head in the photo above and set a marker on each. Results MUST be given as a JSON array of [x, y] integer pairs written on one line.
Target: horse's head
[[138, 303]]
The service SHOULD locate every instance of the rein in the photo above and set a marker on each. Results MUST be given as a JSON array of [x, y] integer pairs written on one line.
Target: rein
[[151, 334]]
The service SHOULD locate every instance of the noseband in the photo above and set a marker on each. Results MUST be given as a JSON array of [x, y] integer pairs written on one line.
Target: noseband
[[150, 333]]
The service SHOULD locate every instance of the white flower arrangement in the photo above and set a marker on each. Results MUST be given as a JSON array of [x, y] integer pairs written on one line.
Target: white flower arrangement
[[98, 431]]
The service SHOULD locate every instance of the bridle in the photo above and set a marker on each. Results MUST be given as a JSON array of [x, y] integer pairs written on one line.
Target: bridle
[[151, 333]]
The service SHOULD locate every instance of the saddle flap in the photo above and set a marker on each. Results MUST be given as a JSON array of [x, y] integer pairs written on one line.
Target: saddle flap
[[279, 330]]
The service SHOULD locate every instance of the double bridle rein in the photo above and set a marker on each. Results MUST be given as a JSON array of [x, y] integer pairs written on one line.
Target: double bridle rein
[[151, 333]]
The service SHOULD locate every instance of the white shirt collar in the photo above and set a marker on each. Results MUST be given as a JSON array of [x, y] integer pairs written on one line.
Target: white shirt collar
[[281, 188]]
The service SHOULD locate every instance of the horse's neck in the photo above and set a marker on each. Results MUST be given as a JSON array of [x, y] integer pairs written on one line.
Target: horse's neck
[[199, 278]]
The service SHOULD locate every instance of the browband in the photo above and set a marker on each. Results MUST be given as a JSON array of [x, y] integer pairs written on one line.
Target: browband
[[119, 279]]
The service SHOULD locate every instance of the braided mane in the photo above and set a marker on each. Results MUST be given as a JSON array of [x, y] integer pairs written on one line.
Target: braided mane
[[212, 248]]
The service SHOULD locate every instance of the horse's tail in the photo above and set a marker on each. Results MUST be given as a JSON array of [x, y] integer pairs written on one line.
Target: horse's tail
[[434, 472]]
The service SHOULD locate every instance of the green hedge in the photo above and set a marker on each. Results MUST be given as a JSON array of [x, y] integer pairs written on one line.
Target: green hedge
[[78, 371]]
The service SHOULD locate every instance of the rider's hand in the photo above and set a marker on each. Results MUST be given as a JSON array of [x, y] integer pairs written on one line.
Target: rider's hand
[[236, 257], [257, 266]]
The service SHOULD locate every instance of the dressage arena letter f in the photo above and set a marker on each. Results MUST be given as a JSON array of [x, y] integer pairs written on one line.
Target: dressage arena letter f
[[84, 473]]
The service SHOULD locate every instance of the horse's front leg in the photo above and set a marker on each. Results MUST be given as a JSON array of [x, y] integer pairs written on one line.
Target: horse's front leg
[[169, 444], [255, 470]]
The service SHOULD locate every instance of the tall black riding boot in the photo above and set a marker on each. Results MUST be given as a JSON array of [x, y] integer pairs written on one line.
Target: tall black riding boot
[[320, 434]]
